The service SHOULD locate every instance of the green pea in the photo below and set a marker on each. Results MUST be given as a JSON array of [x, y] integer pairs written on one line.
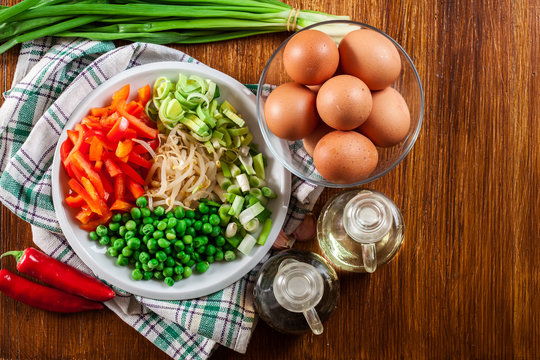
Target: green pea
[[162, 225], [218, 256], [153, 263], [129, 234], [168, 271], [187, 272], [131, 225], [201, 249], [207, 228], [184, 259], [144, 257], [179, 212], [216, 230], [160, 267], [198, 215], [213, 219], [114, 226], [169, 215], [105, 240], [202, 267], [187, 239], [134, 243], [147, 275], [163, 243], [168, 250], [161, 256], [155, 222], [152, 244], [196, 256], [101, 230], [122, 230], [210, 259], [127, 252], [190, 231], [204, 218], [189, 250], [170, 261], [179, 245], [171, 223], [170, 235], [112, 252], [141, 202], [229, 255], [116, 218], [159, 211], [119, 244], [126, 217], [135, 213], [169, 281], [228, 246], [198, 241], [178, 270], [198, 225], [210, 250], [158, 275], [93, 236], [180, 254], [147, 229], [145, 212], [122, 260], [190, 214], [220, 241], [180, 227], [189, 222], [137, 275], [158, 234], [145, 267], [147, 220], [203, 208], [177, 278], [191, 263]]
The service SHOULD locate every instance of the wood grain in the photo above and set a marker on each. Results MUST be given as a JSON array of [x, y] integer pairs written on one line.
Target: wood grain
[[466, 284]]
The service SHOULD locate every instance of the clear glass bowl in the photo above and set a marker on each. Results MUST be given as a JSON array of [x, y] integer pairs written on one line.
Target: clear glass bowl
[[292, 153]]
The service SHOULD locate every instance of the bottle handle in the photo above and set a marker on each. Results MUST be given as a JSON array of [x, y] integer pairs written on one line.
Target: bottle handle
[[369, 255], [314, 321]]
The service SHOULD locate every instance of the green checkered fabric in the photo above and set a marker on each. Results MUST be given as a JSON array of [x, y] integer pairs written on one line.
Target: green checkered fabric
[[52, 77]]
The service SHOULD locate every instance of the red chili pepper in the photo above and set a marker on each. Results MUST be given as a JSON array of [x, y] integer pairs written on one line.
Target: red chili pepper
[[62, 276], [43, 297]]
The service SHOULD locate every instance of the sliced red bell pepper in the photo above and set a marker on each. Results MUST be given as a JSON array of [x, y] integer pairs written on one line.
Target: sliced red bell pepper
[[139, 160], [112, 168], [99, 112], [98, 165], [118, 130], [119, 187], [96, 149], [130, 134], [93, 224], [75, 201], [131, 173], [137, 124], [78, 142], [121, 205], [79, 189], [84, 215], [81, 162], [120, 96], [136, 189], [89, 187], [134, 108], [110, 120], [107, 184], [73, 135], [124, 148], [144, 94]]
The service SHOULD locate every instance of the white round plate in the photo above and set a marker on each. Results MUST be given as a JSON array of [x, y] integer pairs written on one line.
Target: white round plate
[[220, 275]]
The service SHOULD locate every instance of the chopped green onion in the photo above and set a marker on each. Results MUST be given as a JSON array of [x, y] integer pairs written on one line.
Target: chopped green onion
[[247, 244], [231, 230], [252, 225], [225, 169], [236, 206], [250, 213], [267, 226], [269, 193], [243, 182], [258, 165]]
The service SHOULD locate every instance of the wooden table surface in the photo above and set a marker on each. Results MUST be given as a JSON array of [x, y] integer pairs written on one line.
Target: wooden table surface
[[466, 283]]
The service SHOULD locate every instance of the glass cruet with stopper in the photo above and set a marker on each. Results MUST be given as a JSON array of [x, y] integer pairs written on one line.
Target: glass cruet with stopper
[[359, 230], [296, 291]]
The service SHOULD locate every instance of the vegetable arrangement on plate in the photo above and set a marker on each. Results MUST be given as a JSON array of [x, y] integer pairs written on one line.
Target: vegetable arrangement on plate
[[173, 184]]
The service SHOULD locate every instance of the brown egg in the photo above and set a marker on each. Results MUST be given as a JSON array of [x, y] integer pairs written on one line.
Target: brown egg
[[312, 139], [314, 88], [310, 57], [390, 119], [290, 111], [345, 157], [371, 57], [344, 102]]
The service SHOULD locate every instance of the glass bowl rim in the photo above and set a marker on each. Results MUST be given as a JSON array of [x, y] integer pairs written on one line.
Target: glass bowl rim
[[327, 183]]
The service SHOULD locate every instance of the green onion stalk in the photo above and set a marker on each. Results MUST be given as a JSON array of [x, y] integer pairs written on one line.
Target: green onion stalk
[[159, 22]]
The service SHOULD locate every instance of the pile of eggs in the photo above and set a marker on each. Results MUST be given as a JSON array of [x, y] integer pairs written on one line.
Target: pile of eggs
[[340, 102]]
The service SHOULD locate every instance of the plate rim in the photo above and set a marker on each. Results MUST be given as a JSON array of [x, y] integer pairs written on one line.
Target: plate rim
[[82, 252]]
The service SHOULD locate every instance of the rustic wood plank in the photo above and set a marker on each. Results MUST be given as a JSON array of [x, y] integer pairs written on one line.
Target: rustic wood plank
[[466, 282]]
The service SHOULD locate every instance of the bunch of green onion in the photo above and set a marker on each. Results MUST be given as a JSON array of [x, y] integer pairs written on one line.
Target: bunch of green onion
[[159, 22]]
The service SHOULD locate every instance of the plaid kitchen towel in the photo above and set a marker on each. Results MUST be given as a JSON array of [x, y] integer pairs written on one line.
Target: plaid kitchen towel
[[52, 77]]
